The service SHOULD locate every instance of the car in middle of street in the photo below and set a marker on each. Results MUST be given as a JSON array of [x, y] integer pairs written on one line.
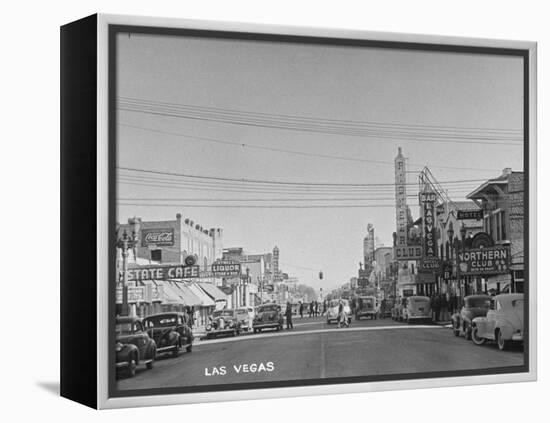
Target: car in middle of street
[[367, 306], [334, 310]]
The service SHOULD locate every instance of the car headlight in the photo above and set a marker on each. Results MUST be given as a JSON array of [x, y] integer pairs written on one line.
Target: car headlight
[[208, 327], [118, 347]]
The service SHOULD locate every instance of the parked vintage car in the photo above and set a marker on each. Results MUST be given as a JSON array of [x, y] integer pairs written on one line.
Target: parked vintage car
[[245, 316], [503, 322], [268, 316], [333, 309], [133, 345], [417, 308], [474, 306], [367, 306], [170, 332], [223, 322]]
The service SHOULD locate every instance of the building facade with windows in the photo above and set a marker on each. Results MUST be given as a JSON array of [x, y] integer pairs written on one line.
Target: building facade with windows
[[170, 241], [502, 202]]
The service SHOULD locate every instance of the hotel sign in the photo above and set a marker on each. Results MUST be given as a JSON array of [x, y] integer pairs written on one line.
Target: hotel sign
[[484, 261], [469, 214]]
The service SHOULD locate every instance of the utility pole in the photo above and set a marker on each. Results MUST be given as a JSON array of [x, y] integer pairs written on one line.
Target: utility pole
[[125, 243]]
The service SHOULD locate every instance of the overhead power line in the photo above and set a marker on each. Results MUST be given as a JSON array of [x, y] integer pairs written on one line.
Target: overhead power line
[[286, 151], [274, 182], [377, 130], [328, 206]]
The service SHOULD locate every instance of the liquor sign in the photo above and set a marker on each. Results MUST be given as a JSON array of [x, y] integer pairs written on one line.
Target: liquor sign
[[144, 273], [427, 202], [469, 214], [484, 261], [157, 237], [226, 269]]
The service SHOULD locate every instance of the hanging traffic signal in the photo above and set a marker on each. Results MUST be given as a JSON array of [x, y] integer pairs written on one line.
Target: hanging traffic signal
[[320, 275]]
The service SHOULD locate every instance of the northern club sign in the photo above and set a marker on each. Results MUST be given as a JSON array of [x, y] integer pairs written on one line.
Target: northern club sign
[[484, 261], [144, 273]]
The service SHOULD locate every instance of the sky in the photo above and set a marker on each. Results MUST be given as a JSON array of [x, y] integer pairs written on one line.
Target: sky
[[221, 93]]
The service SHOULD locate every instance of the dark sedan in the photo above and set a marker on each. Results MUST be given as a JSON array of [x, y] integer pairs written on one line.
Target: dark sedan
[[170, 332], [474, 306], [133, 345], [268, 316]]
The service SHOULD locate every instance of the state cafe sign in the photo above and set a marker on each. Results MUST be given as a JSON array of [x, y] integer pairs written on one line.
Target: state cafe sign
[[160, 272]]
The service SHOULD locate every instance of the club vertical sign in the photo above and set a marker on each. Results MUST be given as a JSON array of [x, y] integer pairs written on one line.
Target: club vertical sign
[[429, 250]]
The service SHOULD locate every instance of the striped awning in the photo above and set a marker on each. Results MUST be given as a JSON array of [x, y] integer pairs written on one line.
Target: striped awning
[[212, 291], [178, 293]]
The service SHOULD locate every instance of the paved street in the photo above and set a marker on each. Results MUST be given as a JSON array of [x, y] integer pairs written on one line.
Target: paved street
[[317, 350]]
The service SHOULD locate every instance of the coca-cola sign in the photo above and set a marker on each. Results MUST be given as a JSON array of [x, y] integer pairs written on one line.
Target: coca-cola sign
[[159, 237]]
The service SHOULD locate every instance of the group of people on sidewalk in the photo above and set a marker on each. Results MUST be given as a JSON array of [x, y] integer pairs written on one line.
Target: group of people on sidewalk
[[443, 306]]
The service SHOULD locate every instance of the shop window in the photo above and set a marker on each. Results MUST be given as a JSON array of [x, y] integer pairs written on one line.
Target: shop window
[[156, 255]]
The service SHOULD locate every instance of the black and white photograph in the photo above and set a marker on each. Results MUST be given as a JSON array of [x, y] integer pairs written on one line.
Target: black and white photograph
[[298, 211]]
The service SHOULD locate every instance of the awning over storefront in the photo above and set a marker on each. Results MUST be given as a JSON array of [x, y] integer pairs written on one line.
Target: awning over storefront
[[185, 295], [212, 291], [171, 294], [205, 299]]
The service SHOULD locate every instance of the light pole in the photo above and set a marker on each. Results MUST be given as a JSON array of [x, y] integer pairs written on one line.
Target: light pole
[[125, 243]]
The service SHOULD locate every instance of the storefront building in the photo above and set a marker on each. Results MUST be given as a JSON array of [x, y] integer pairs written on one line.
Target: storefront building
[[502, 202]]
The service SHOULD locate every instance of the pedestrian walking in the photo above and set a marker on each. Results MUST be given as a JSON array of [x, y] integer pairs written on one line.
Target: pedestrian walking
[[288, 314], [324, 307], [311, 308], [250, 319], [316, 313], [301, 310], [437, 308]]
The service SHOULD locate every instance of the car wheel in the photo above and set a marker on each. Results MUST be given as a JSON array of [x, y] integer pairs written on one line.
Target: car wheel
[[476, 339], [189, 348], [177, 347], [132, 367], [150, 364], [503, 344]]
